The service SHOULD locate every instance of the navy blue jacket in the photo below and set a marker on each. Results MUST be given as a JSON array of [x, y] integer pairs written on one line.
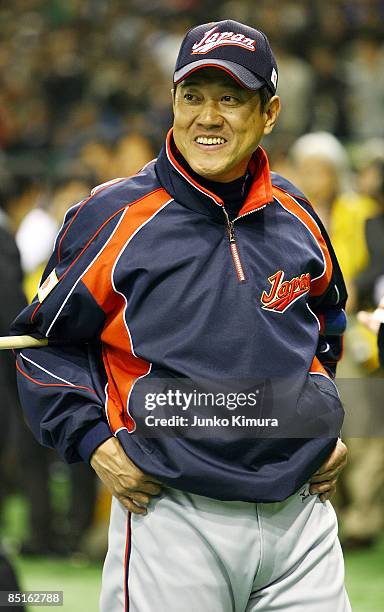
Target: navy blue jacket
[[149, 280]]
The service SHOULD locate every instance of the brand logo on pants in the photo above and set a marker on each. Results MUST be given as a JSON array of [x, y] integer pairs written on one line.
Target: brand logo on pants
[[304, 493]]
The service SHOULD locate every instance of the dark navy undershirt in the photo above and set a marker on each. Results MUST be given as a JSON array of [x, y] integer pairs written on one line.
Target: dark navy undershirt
[[233, 194]]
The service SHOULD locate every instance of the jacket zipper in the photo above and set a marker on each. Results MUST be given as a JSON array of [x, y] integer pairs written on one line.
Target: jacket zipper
[[233, 247]]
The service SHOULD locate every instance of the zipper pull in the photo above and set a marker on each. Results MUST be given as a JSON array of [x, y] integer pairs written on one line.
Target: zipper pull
[[230, 227], [231, 232]]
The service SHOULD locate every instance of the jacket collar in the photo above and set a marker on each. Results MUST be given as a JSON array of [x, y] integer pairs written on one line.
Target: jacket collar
[[185, 190]]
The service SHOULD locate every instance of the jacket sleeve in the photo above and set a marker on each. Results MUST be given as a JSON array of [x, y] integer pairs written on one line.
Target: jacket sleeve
[[61, 392], [61, 386], [329, 305]]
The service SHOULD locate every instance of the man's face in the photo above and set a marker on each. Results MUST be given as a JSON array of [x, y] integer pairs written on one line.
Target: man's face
[[218, 124], [318, 178]]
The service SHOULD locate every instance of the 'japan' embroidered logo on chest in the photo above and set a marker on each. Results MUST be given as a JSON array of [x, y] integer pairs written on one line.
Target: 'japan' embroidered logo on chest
[[283, 294]]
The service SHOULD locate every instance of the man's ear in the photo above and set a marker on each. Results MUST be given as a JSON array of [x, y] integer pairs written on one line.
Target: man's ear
[[272, 112], [173, 94]]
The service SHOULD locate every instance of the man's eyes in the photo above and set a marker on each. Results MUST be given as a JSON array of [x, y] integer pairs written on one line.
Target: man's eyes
[[189, 97], [227, 98]]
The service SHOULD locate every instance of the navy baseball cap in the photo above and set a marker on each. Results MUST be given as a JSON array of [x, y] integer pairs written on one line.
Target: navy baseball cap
[[241, 51]]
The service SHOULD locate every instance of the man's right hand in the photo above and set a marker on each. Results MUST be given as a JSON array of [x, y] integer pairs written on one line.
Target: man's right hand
[[132, 487]]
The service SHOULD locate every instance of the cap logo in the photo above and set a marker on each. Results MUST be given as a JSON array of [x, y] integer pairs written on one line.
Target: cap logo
[[213, 39], [274, 78]]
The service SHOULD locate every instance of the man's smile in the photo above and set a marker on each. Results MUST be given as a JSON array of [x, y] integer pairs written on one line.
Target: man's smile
[[210, 140], [210, 143]]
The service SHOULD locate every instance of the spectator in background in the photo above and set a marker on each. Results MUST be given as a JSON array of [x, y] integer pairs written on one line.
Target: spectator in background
[[35, 237], [37, 231], [295, 89], [8, 580], [12, 298], [322, 171], [330, 21], [365, 78], [369, 157], [26, 192], [96, 159], [132, 153], [362, 484], [327, 103], [370, 282], [73, 72], [321, 168]]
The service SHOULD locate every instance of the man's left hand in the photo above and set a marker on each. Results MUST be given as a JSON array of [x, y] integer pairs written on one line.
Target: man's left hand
[[323, 482]]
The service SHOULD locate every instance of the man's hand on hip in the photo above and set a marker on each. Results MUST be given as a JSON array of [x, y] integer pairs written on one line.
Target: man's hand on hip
[[123, 478], [323, 481]]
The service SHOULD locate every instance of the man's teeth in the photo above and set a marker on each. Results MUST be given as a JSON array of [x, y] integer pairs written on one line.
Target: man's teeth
[[210, 141]]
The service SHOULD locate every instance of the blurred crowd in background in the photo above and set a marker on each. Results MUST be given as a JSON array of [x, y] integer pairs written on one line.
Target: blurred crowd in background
[[85, 97]]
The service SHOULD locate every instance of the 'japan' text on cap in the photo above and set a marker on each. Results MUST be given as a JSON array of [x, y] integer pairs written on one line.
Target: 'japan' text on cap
[[241, 51]]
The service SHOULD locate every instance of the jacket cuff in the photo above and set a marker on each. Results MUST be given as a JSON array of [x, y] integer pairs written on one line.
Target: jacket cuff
[[92, 438]]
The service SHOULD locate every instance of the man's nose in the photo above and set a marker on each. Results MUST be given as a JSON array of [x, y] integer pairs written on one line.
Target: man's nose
[[210, 116]]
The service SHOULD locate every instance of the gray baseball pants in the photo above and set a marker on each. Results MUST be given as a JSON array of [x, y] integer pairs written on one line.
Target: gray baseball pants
[[195, 554]]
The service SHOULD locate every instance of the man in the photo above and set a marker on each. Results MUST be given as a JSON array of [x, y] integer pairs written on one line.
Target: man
[[204, 266]]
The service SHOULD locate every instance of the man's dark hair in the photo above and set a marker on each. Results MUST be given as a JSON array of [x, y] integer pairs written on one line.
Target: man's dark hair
[[265, 96]]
